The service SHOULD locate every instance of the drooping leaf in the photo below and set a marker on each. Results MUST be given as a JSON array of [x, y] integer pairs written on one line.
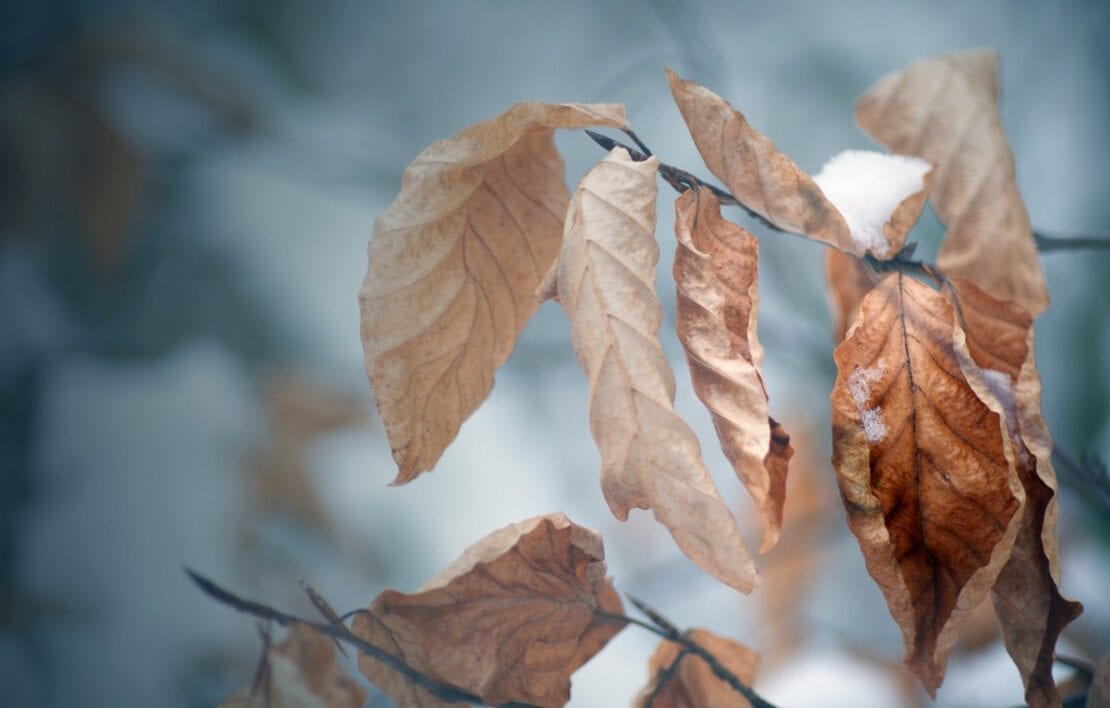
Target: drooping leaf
[[945, 110], [650, 459], [847, 279], [510, 620], [921, 460], [691, 683], [1026, 596], [1099, 693], [300, 672], [716, 272], [453, 263]]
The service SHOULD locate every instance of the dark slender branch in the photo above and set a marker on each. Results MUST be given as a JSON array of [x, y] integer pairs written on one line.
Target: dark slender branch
[[1047, 244], [340, 632], [665, 676], [667, 630], [1081, 665], [1089, 471]]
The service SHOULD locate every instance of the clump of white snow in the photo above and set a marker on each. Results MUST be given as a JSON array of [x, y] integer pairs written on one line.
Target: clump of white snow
[[866, 187], [859, 386]]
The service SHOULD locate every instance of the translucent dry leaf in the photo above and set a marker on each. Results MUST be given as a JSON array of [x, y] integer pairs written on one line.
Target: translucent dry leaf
[[300, 672], [929, 486], [691, 683], [510, 620], [1027, 601], [847, 280], [453, 263], [945, 110], [716, 273], [650, 459]]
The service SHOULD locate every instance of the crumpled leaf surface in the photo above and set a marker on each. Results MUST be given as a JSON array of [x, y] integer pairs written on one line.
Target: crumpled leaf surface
[[650, 459], [510, 620], [922, 465], [945, 110], [693, 684], [847, 280], [1026, 597], [453, 263], [300, 672], [716, 273], [762, 178]]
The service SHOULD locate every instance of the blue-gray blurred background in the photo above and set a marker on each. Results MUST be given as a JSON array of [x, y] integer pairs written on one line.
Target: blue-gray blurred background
[[187, 191]]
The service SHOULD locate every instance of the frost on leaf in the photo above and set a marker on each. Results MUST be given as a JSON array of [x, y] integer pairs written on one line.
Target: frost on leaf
[[453, 263], [682, 680], [650, 459], [716, 273], [944, 109], [1026, 597], [933, 500], [510, 620], [300, 672]]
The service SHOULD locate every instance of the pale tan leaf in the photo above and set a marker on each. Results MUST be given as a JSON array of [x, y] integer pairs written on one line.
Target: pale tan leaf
[[300, 673], [762, 178], [650, 459], [716, 273], [510, 620], [945, 110], [1026, 596], [847, 279], [1098, 696], [692, 684], [921, 458], [454, 263]]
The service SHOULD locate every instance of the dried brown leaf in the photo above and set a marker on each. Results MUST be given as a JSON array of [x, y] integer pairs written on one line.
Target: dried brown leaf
[[510, 620], [847, 279], [923, 465], [945, 109], [762, 178], [650, 459], [454, 262], [1026, 596], [1098, 695], [301, 673], [692, 684], [716, 273]]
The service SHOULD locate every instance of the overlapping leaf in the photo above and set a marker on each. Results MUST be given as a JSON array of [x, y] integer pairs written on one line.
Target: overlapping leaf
[[847, 280], [921, 459], [1027, 600], [682, 680], [945, 110], [716, 273], [510, 620], [650, 459], [453, 263]]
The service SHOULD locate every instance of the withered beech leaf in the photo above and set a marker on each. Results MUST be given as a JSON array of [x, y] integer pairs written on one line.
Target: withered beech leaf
[[847, 279], [300, 672], [716, 273], [762, 178], [650, 459], [453, 264], [509, 620], [1026, 597], [922, 465], [692, 684], [945, 110]]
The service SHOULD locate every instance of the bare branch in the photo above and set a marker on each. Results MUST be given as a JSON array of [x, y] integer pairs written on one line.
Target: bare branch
[[1048, 244]]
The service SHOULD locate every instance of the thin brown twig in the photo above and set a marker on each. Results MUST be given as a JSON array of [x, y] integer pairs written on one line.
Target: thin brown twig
[[1048, 244], [665, 676]]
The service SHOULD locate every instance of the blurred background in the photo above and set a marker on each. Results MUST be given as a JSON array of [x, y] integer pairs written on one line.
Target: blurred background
[[188, 189]]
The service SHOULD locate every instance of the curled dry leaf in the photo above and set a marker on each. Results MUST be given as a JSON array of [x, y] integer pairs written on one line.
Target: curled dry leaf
[[945, 110], [691, 683], [650, 459], [454, 262], [922, 461], [1026, 597], [716, 273], [510, 620], [847, 279], [300, 673]]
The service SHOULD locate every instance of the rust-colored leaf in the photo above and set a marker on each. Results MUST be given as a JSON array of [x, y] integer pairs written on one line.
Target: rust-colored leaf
[[1026, 596], [300, 672], [922, 465], [945, 109], [691, 683], [848, 279], [716, 272], [650, 459], [454, 261], [510, 620]]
